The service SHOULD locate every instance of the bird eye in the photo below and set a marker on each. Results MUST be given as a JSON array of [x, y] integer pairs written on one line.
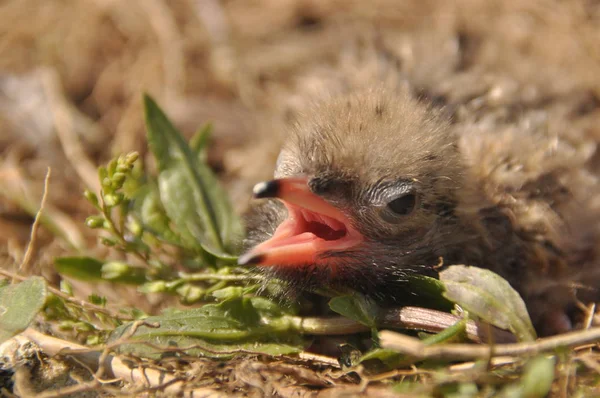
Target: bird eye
[[396, 201], [403, 205]]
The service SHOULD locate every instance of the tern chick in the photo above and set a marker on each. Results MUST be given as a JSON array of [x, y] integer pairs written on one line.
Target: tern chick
[[375, 186]]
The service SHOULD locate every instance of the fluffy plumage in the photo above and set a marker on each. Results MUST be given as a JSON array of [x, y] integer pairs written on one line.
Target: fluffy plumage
[[519, 202]]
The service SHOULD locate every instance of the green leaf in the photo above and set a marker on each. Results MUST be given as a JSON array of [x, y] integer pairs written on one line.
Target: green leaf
[[389, 357], [150, 212], [536, 381], [116, 271], [490, 297], [392, 359], [357, 307], [19, 304], [450, 333], [458, 390], [82, 268], [538, 377], [98, 300], [249, 324], [162, 344], [199, 142], [430, 292], [189, 190], [227, 293]]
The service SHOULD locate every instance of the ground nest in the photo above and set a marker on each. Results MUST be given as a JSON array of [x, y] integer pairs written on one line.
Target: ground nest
[[73, 75]]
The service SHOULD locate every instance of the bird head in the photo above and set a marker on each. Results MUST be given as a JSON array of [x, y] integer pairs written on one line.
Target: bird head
[[369, 183]]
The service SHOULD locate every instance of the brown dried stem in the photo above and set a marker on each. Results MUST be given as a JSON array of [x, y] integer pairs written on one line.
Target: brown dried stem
[[417, 349]]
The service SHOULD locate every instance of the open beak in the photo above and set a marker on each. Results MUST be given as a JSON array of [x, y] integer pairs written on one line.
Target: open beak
[[313, 227]]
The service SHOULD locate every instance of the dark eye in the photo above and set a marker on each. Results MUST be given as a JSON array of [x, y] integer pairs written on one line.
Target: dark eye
[[403, 205]]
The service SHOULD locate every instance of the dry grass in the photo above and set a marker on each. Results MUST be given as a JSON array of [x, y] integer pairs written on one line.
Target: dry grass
[[72, 73]]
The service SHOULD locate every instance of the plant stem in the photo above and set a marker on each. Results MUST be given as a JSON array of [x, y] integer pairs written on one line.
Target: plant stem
[[118, 233]]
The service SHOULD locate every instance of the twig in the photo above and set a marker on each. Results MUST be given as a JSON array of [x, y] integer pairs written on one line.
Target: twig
[[493, 362], [24, 267], [590, 310], [408, 318], [323, 359], [417, 318], [589, 361], [416, 349]]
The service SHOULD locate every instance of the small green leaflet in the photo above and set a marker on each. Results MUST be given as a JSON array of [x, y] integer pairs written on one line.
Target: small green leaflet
[[488, 296], [357, 307], [92, 270], [81, 268], [19, 304]]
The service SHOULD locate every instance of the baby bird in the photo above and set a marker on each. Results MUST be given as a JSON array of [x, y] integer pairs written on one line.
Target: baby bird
[[374, 186]]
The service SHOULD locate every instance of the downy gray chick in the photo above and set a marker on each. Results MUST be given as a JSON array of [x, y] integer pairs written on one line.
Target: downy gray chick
[[374, 186]]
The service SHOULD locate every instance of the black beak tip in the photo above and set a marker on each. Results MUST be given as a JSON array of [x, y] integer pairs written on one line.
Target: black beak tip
[[250, 258], [266, 189]]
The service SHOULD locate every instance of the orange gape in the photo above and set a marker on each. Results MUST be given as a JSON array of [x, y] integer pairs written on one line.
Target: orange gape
[[312, 227]]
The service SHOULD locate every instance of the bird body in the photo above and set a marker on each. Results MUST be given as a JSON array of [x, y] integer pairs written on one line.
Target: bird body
[[374, 186]]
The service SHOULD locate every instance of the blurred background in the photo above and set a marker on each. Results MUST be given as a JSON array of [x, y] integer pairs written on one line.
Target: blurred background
[[72, 74]]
